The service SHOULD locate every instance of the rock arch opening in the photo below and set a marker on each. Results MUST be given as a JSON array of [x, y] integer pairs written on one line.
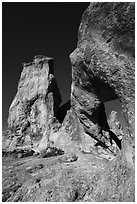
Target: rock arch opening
[[116, 121], [90, 92], [115, 106], [107, 117]]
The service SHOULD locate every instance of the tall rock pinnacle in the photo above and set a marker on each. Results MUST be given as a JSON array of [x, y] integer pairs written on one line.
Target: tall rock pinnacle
[[36, 102]]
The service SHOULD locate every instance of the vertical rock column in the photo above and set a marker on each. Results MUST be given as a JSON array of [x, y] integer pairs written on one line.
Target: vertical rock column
[[35, 104]]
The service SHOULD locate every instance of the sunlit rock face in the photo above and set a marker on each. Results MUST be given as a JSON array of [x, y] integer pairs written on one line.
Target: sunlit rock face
[[35, 104], [115, 125], [103, 70]]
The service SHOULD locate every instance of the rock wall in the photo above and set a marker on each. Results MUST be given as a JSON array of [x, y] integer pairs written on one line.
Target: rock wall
[[35, 104], [103, 69]]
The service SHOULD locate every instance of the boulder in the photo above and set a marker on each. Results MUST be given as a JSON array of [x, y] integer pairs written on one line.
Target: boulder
[[50, 152]]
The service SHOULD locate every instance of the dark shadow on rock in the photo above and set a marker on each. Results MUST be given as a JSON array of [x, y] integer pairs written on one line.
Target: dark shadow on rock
[[105, 93], [7, 192], [115, 138], [99, 117], [21, 153], [18, 153], [101, 88], [62, 111], [53, 88]]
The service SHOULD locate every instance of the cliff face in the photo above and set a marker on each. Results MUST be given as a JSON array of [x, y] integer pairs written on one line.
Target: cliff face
[[103, 69], [35, 104]]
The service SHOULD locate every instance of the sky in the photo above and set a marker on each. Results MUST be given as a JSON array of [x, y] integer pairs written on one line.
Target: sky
[[30, 29]]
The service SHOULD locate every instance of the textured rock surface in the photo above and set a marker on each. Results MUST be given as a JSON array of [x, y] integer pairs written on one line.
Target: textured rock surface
[[86, 162], [115, 125], [35, 104], [71, 178], [103, 69]]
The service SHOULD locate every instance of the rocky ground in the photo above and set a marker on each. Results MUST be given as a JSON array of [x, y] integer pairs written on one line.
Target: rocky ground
[[71, 177]]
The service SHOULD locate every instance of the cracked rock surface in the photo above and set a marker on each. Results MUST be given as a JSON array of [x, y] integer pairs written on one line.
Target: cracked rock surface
[[103, 68], [72, 152], [35, 104]]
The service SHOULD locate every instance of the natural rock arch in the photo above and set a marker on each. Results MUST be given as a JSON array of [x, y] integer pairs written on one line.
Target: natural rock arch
[[103, 66]]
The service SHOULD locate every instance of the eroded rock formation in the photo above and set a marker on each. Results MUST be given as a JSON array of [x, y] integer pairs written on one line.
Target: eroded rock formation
[[35, 105], [103, 69]]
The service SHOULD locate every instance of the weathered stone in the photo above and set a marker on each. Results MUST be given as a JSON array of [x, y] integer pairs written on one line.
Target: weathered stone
[[103, 69], [7, 137], [72, 137], [21, 153], [115, 125], [50, 152], [69, 136], [35, 104], [69, 158]]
